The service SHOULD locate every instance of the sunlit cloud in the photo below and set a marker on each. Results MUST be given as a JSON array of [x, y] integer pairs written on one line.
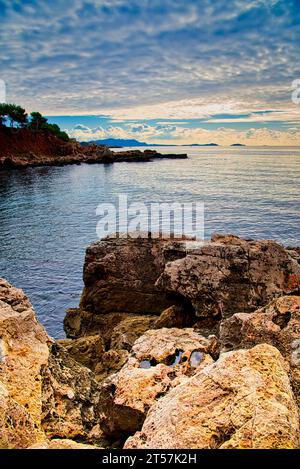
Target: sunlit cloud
[[222, 63]]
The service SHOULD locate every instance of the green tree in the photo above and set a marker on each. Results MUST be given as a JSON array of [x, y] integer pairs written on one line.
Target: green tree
[[54, 129], [37, 121], [13, 113], [3, 113], [17, 115]]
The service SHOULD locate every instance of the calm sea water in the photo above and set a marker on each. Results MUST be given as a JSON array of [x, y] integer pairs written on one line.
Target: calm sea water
[[48, 215]]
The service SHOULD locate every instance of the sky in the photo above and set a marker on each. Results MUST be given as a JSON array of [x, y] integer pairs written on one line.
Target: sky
[[159, 71]]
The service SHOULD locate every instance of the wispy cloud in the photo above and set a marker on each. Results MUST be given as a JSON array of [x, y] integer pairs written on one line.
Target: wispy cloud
[[137, 60]]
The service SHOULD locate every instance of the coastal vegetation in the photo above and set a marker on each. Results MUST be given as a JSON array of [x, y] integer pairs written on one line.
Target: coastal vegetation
[[16, 116]]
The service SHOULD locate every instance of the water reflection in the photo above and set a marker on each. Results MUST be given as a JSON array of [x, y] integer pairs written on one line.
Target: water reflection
[[48, 214]]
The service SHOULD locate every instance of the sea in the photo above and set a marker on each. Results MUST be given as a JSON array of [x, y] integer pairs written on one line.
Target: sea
[[48, 215]]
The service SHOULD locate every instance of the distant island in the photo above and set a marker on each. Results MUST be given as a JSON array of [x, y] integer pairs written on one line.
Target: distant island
[[120, 142], [237, 145], [203, 145]]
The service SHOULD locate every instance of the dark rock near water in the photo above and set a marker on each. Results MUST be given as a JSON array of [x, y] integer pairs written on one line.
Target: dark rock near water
[[212, 280], [120, 276], [229, 275]]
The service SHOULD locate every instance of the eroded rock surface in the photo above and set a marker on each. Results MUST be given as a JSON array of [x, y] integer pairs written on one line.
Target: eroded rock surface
[[86, 350], [230, 275], [210, 280], [106, 351], [140, 352], [276, 324], [244, 400], [159, 360], [120, 275], [43, 391], [23, 353], [70, 397]]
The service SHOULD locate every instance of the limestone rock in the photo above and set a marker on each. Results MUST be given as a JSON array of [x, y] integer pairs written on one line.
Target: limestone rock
[[70, 397], [120, 275], [118, 330], [212, 279], [106, 351], [129, 329], [164, 345], [174, 316], [276, 324], [43, 391], [244, 400], [111, 362], [17, 426], [229, 275], [86, 350], [23, 353], [159, 360], [62, 444]]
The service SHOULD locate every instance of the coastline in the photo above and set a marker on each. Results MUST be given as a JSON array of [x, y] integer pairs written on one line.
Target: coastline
[[28, 148], [157, 321]]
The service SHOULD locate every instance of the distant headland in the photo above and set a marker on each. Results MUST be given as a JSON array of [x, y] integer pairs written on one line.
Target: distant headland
[[122, 142], [32, 141]]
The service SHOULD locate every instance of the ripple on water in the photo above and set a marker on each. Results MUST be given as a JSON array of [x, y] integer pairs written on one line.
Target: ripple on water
[[48, 215]]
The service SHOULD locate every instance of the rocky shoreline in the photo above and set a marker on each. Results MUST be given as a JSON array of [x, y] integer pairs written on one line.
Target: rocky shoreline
[[173, 345], [21, 148]]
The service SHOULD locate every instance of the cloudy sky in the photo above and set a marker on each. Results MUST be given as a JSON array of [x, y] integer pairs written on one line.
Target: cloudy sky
[[169, 71]]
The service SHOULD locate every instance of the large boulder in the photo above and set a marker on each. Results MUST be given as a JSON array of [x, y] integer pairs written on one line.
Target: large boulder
[[24, 352], [159, 360], [44, 393], [213, 279], [120, 274], [244, 400], [230, 275], [276, 324]]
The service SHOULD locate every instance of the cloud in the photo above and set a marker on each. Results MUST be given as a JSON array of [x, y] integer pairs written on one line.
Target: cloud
[[79, 56], [143, 60], [184, 135]]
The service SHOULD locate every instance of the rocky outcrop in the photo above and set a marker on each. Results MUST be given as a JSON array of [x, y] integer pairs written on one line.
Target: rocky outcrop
[[210, 282], [20, 148], [230, 275], [244, 401], [70, 396], [146, 155], [24, 351], [175, 344], [120, 274], [159, 360], [102, 342], [276, 324], [85, 350], [44, 393]]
